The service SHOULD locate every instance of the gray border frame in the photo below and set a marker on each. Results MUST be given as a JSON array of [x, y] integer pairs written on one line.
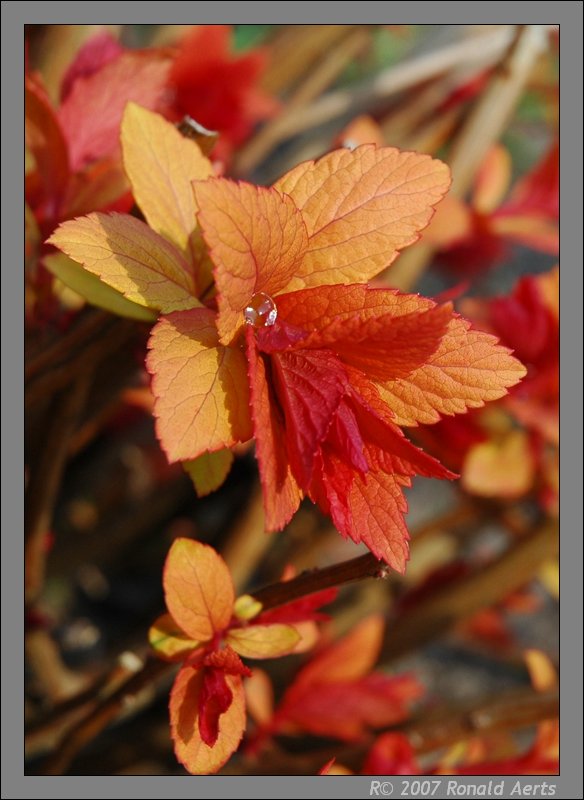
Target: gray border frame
[[14, 15]]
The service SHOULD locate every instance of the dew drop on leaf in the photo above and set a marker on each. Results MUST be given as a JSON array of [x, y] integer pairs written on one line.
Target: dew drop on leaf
[[261, 311]]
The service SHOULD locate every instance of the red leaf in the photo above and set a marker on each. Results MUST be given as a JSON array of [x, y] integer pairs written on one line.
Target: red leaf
[[92, 112], [220, 90], [97, 51], [309, 386], [392, 754], [227, 660], [46, 140], [300, 610], [282, 494], [215, 697]]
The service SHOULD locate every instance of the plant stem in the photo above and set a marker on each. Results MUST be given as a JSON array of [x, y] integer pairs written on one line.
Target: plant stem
[[356, 569], [441, 610], [45, 479]]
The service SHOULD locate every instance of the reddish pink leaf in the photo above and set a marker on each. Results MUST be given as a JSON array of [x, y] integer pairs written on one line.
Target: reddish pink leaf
[[92, 112], [91, 57], [282, 494]]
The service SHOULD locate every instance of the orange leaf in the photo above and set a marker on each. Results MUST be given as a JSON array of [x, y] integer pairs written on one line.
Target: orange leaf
[[127, 255], [92, 111], [196, 756], [468, 369], [361, 207], [257, 240], [168, 640], [492, 180], [263, 641], [200, 386], [348, 659], [503, 468], [161, 165], [259, 696], [198, 589], [281, 492]]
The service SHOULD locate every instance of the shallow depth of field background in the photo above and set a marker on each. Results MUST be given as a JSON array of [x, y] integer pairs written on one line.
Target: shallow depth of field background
[[119, 505]]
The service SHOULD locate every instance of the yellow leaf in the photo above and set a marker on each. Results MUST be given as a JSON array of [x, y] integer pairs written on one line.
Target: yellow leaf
[[209, 471], [201, 391], [500, 468], [263, 641], [198, 589], [246, 607], [94, 290], [127, 255], [168, 640], [161, 165]]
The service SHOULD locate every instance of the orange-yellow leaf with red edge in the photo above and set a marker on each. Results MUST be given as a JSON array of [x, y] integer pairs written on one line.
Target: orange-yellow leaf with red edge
[[192, 752], [198, 589], [466, 369], [200, 386], [504, 468], [361, 207], [263, 641], [161, 165], [130, 257], [256, 238], [168, 640]]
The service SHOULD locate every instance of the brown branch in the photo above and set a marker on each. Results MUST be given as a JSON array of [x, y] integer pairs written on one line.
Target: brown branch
[[45, 479], [440, 611], [356, 569], [99, 717]]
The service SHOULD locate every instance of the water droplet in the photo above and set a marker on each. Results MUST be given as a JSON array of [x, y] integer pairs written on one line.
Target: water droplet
[[261, 311]]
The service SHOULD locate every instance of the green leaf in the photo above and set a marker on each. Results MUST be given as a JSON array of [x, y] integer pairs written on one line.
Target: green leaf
[[94, 290]]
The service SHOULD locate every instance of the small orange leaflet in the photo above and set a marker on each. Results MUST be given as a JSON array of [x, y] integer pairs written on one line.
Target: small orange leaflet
[[334, 366], [207, 629]]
